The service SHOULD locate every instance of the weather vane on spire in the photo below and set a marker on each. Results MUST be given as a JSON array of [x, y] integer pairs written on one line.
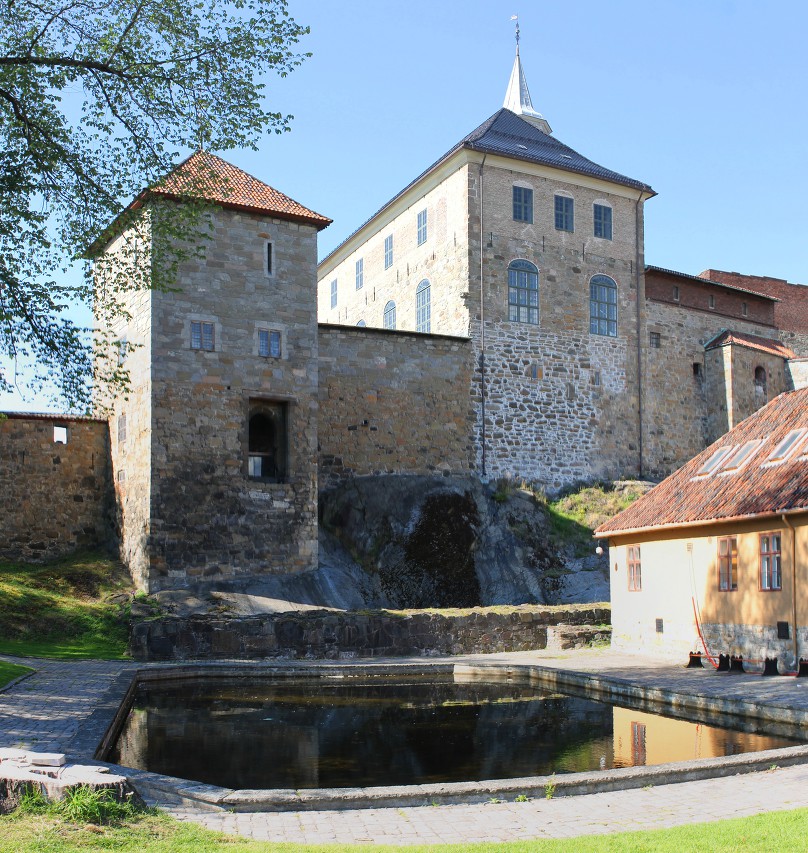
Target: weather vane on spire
[[516, 18]]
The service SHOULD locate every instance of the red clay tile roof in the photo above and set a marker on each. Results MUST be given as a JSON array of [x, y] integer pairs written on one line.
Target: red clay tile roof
[[205, 176], [767, 345], [790, 315], [684, 499]]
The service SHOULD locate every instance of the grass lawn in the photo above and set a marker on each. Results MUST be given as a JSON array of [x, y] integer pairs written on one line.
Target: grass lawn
[[780, 831], [10, 671], [72, 608]]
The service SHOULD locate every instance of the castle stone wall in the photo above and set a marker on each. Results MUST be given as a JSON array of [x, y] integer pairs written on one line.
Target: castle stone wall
[[392, 402], [561, 404], [54, 498]]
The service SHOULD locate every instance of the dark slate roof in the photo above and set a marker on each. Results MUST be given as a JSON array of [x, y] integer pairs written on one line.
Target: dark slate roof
[[508, 135], [757, 489]]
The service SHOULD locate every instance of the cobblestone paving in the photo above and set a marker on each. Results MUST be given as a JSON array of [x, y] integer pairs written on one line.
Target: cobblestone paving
[[53, 710]]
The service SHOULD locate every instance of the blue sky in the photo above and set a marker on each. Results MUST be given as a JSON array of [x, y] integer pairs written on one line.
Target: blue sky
[[705, 100]]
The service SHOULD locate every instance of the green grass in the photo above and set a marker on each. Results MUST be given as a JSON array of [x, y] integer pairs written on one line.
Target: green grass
[[64, 609], [575, 515], [45, 832], [10, 671]]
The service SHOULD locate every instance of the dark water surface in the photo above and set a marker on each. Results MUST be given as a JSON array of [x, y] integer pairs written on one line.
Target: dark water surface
[[333, 732]]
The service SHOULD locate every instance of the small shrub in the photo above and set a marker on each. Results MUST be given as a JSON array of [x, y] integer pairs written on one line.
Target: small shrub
[[84, 804], [522, 798], [550, 788]]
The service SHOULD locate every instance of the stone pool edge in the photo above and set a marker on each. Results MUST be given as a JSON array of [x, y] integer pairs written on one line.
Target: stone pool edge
[[165, 790]]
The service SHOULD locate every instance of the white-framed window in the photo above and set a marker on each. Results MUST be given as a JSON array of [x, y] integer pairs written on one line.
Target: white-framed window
[[269, 259], [522, 204], [602, 215], [388, 251], [523, 292], [564, 213], [203, 335], [771, 577], [334, 293], [269, 343], [603, 306], [360, 274], [787, 446], [423, 321], [390, 315], [422, 227], [59, 434]]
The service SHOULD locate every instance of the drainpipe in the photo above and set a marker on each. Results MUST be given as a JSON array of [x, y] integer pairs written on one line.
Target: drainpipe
[[790, 526], [637, 277], [482, 326]]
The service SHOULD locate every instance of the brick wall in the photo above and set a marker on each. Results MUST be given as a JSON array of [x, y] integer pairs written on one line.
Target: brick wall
[[392, 402], [54, 497]]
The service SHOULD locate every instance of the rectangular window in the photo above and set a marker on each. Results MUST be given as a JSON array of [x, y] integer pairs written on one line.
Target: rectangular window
[[711, 301], [675, 292], [603, 221], [634, 569], [334, 293], [269, 258], [787, 446], [269, 343], [360, 273], [121, 428], [388, 251], [564, 213], [770, 561], [522, 204], [60, 434], [744, 309], [422, 233], [203, 336], [267, 451], [727, 564], [655, 339]]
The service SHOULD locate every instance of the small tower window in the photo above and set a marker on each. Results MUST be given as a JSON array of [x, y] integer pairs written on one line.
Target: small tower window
[[760, 381], [334, 293], [267, 457], [60, 435], [268, 252]]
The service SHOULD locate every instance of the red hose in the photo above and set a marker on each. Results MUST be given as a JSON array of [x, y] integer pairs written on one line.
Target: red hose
[[701, 636]]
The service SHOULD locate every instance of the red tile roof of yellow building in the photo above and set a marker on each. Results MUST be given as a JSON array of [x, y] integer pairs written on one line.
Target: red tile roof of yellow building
[[768, 345], [757, 489], [204, 176]]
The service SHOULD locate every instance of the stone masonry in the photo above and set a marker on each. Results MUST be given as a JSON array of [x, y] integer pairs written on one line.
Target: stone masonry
[[54, 497]]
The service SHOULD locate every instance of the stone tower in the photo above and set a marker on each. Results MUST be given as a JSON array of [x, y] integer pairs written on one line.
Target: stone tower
[[214, 450]]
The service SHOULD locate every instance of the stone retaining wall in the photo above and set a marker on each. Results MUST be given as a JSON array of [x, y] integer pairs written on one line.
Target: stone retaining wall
[[339, 634]]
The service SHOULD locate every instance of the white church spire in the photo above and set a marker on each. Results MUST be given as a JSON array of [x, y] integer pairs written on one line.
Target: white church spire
[[517, 98]]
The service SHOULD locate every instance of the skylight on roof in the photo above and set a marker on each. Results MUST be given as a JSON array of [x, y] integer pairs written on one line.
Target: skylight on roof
[[787, 446], [715, 460], [742, 455]]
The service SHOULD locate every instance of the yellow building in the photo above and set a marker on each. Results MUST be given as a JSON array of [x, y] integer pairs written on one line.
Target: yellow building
[[714, 558]]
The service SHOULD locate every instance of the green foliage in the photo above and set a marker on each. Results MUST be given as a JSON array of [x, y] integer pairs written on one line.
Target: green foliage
[[522, 798], [97, 101], [66, 609], [84, 804], [10, 671], [550, 788], [575, 515]]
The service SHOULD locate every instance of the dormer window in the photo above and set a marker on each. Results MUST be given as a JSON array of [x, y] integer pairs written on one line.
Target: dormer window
[[712, 464]]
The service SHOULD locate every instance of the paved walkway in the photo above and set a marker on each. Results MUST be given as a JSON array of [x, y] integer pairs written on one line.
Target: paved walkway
[[66, 706]]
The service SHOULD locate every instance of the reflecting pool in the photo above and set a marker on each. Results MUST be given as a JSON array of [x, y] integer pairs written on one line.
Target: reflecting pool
[[349, 732]]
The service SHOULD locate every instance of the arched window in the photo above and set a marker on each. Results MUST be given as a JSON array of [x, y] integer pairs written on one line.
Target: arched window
[[603, 306], [422, 308], [760, 381], [361, 323], [267, 442], [523, 292], [390, 315]]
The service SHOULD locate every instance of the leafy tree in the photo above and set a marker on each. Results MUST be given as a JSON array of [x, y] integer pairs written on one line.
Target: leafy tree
[[97, 99]]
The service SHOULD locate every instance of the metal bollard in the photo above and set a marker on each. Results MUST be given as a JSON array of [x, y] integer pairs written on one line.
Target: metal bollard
[[723, 663], [736, 664], [770, 667], [695, 661]]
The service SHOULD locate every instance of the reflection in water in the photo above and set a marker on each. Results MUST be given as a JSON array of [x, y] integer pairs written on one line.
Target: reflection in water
[[320, 733]]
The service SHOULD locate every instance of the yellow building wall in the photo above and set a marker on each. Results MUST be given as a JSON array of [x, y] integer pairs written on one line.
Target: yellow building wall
[[680, 587]]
